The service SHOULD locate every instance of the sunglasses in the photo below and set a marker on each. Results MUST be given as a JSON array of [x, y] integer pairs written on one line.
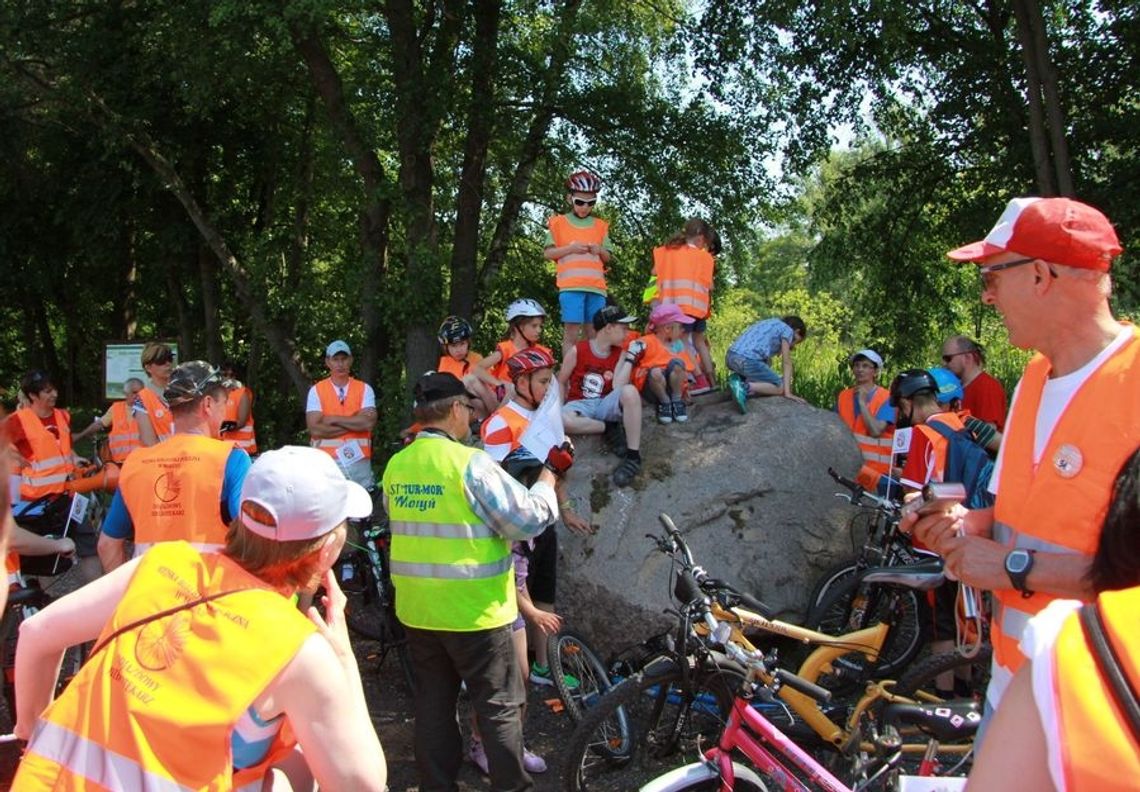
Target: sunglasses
[[985, 272], [584, 202], [948, 358]]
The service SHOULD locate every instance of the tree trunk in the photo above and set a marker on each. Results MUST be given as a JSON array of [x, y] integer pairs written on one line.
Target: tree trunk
[[1038, 135], [126, 318], [175, 270], [480, 121], [1054, 110], [211, 305]]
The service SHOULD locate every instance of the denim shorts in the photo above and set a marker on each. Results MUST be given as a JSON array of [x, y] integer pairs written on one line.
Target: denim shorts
[[579, 307], [752, 370], [607, 408]]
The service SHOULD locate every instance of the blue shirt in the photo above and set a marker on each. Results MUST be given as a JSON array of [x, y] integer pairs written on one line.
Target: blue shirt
[[118, 524], [761, 340]]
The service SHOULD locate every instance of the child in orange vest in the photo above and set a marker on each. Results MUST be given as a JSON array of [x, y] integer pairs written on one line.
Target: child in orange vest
[[457, 358], [525, 318], [683, 271], [662, 364]]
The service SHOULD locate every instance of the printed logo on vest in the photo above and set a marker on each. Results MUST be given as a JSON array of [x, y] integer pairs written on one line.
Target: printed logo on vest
[[161, 643], [167, 487], [1068, 461]]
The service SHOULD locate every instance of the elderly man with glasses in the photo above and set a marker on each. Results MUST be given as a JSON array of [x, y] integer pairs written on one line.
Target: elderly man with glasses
[[187, 487], [1075, 419], [984, 396]]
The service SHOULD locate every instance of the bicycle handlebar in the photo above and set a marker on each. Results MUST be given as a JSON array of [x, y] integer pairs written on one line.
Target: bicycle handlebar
[[779, 675], [859, 494]]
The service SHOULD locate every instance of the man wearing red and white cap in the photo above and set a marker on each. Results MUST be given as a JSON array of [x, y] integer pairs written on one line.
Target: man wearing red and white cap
[[1074, 420]]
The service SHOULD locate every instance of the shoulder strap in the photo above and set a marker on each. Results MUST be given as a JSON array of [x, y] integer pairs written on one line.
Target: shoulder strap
[[164, 613], [1109, 666]]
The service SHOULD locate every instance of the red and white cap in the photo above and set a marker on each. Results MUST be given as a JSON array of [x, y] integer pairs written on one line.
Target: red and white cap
[[1059, 230], [303, 491]]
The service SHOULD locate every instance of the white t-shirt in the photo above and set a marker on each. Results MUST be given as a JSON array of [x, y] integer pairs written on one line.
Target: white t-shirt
[[313, 402], [1037, 644], [1055, 397]]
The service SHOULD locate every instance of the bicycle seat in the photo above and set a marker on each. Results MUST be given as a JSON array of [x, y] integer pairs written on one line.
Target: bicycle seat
[[923, 576], [952, 720]]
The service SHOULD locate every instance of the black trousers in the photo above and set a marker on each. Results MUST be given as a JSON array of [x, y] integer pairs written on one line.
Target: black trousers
[[485, 661]]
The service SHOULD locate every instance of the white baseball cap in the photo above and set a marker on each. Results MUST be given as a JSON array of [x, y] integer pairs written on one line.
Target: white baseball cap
[[336, 347], [304, 491], [870, 354]]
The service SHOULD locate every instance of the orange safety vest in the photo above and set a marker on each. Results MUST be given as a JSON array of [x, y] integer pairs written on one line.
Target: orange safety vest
[[161, 418], [332, 405], [460, 368], [1097, 748], [155, 708], [244, 436], [1059, 505], [124, 435], [507, 349], [51, 463], [582, 271], [516, 424], [657, 355], [876, 450], [684, 277], [938, 443], [173, 491], [12, 567]]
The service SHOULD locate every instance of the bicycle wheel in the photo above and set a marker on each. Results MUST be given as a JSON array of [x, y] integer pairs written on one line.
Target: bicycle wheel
[[853, 605], [578, 674], [647, 724], [826, 582], [931, 680]]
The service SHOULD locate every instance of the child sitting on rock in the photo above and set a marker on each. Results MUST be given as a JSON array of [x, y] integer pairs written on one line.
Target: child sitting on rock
[[662, 364]]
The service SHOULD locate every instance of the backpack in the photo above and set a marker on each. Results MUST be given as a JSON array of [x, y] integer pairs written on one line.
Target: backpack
[[967, 463]]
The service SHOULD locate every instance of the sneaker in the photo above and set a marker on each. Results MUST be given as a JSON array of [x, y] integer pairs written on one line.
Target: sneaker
[[700, 385], [478, 756], [680, 414], [665, 413], [533, 762], [626, 471], [540, 675], [739, 390]]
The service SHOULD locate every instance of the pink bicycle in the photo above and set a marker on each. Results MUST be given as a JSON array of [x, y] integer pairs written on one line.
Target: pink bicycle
[[789, 767]]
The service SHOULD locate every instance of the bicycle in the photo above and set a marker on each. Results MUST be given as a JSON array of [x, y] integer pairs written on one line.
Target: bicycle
[[839, 729], [24, 600], [363, 574], [780, 759], [578, 674]]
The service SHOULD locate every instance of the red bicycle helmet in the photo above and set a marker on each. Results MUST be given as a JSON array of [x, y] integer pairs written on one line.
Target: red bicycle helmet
[[527, 361], [583, 181]]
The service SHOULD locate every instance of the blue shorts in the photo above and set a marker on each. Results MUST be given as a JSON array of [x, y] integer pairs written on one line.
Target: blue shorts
[[579, 307], [752, 370], [698, 326]]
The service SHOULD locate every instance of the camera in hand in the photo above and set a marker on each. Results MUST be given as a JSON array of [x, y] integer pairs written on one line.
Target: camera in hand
[[937, 497]]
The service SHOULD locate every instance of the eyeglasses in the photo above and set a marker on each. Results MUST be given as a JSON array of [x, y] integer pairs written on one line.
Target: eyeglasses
[[584, 202], [948, 358], [985, 272]]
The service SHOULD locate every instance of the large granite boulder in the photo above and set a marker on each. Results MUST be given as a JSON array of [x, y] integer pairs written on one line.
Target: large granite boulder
[[750, 493]]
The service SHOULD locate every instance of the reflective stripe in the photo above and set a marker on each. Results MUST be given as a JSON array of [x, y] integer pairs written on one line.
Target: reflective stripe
[[573, 272], [94, 762], [451, 571], [40, 481], [999, 680], [201, 547], [442, 530], [338, 442], [49, 462]]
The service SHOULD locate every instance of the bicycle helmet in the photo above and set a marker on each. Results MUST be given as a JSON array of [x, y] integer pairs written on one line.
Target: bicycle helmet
[[910, 382], [949, 386], [524, 307], [527, 361], [453, 330], [583, 181], [191, 381]]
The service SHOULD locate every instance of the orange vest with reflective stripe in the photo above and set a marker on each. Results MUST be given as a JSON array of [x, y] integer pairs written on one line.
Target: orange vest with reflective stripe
[[657, 355], [1097, 749], [160, 416], [516, 425], [1059, 506], [332, 405], [507, 349], [173, 491], [938, 443], [876, 450], [243, 437], [124, 435], [684, 278], [582, 271], [460, 368], [155, 708], [51, 463]]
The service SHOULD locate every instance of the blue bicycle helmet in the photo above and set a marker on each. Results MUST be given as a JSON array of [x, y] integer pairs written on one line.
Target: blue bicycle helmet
[[949, 386]]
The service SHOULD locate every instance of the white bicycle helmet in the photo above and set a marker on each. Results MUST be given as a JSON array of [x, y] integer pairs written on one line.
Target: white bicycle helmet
[[524, 307]]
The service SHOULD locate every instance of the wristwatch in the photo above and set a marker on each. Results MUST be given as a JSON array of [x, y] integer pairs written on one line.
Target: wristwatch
[[1018, 564]]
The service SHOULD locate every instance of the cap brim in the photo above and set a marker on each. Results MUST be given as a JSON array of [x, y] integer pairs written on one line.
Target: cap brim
[[975, 251], [684, 319], [358, 503], [626, 320]]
